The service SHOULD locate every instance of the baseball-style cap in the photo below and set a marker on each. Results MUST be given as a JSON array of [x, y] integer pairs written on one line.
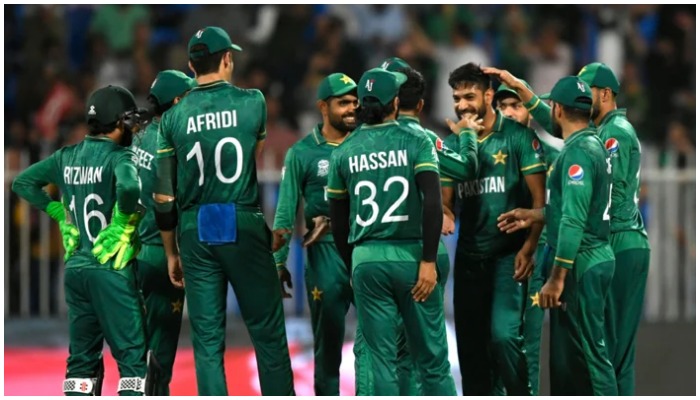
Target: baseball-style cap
[[170, 84], [108, 105], [214, 38], [505, 91], [571, 91], [394, 64], [599, 75], [334, 85], [381, 84]]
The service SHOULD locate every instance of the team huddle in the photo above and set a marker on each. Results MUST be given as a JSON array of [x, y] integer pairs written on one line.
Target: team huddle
[[154, 215]]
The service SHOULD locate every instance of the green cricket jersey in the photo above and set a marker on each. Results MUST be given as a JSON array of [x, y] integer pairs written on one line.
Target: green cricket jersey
[[506, 156], [454, 167], [305, 174], [91, 175], [145, 146], [578, 197], [213, 132], [376, 167], [621, 141]]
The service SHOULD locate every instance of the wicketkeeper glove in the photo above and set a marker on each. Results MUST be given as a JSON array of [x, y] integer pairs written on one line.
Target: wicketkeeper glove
[[119, 240], [69, 233]]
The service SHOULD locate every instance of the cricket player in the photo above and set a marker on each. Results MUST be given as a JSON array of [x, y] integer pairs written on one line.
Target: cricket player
[[163, 301], [99, 185], [515, 99], [577, 215], [208, 145], [381, 179], [628, 237], [491, 266], [305, 175]]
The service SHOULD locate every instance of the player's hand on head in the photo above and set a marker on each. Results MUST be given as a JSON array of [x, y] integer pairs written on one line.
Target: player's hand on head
[[175, 272], [285, 278], [427, 280], [550, 294], [322, 225], [279, 238], [502, 75]]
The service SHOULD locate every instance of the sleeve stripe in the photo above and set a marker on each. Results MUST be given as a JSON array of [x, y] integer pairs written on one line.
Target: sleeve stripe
[[532, 166], [425, 165], [336, 191], [446, 179], [165, 150], [563, 260], [534, 105]]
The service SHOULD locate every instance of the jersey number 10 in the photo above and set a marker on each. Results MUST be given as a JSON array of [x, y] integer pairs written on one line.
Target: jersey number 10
[[196, 152]]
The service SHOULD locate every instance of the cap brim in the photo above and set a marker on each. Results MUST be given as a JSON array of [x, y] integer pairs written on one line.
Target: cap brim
[[546, 96], [344, 91], [501, 94], [236, 47], [400, 78]]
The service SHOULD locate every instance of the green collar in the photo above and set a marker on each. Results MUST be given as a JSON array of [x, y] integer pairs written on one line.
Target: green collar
[[366, 126], [211, 85], [408, 118], [319, 138], [98, 138], [580, 133], [498, 125], [612, 114]]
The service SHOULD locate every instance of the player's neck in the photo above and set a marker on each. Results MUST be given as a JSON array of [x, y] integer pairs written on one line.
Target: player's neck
[[604, 111], [489, 122], [569, 130], [331, 134], [210, 78]]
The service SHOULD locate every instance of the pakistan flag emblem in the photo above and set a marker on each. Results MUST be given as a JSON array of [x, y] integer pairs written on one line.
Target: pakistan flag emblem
[[323, 167]]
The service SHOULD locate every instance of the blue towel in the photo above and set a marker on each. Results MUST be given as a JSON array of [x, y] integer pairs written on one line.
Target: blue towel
[[217, 223]]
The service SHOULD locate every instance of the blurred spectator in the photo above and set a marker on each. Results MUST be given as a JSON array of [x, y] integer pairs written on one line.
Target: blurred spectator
[[550, 59], [116, 23]]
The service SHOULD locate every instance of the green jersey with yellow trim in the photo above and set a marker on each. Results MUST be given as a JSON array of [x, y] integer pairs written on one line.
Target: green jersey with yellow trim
[[213, 132], [376, 167], [506, 156], [144, 146], [578, 197], [454, 167], [305, 174]]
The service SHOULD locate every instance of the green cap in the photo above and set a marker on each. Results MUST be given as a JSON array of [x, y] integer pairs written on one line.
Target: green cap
[[505, 91], [599, 75], [336, 84], [381, 84], [108, 105], [571, 91], [394, 64], [170, 84], [215, 38]]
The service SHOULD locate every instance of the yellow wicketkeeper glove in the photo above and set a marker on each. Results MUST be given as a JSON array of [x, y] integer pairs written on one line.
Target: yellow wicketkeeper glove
[[69, 233], [119, 240]]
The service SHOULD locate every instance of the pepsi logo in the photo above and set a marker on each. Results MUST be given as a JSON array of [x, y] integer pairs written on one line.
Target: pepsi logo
[[438, 144], [537, 146], [576, 172], [612, 145]]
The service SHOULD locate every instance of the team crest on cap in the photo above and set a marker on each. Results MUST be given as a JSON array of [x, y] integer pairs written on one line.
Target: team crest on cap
[[612, 145], [369, 84], [576, 173], [199, 33], [580, 86], [323, 167], [439, 144], [154, 83], [92, 111]]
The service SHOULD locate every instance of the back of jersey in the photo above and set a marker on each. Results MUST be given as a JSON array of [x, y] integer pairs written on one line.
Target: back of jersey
[[376, 168], [213, 133], [89, 188]]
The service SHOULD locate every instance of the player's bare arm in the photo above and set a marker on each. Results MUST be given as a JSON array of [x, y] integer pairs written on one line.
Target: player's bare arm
[[524, 259], [511, 81], [520, 218], [552, 290]]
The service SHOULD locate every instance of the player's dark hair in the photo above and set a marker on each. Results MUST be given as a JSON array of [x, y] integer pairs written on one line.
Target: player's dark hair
[[97, 128], [372, 112], [412, 91], [157, 109], [468, 75], [207, 63], [573, 114]]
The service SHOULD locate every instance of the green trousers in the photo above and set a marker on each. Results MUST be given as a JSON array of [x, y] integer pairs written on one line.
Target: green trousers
[[249, 267], [329, 295], [534, 315], [579, 361], [488, 307], [625, 304], [407, 369], [104, 305], [164, 305]]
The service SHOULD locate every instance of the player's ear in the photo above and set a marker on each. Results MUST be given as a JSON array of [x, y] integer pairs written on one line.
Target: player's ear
[[488, 96], [322, 106], [420, 106], [396, 104], [189, 64]]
